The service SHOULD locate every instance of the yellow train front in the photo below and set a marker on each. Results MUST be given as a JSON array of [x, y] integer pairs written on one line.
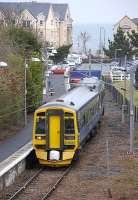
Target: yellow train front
[[61, 126]]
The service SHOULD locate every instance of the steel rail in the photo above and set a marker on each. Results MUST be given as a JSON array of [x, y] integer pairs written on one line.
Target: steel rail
[[47, 195], [25, 185]]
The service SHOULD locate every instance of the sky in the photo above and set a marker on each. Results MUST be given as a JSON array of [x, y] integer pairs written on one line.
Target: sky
[[90, 15], [98, 11], [101, 11]]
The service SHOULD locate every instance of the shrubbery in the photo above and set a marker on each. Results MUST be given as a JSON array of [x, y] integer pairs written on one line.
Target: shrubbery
[[13, 43]]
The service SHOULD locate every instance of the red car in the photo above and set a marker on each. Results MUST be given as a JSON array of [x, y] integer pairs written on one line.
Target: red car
[[58, 70]]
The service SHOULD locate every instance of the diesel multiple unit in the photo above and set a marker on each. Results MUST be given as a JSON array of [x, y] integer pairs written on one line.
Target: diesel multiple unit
[[61, 126]]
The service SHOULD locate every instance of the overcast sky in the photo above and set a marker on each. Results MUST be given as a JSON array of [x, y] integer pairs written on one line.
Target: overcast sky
[[101, 11], [98, 11]]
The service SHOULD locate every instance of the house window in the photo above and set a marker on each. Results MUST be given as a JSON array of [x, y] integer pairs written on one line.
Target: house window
[[13, 21], [41, 23], [26, 23], [52, 22], [41, 34]]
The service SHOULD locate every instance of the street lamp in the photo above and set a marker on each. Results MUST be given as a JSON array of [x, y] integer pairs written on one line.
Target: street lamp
[[34, 59], [3, 64]]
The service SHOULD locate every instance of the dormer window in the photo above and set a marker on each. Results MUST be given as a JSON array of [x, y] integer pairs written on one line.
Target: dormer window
[[41, 23]]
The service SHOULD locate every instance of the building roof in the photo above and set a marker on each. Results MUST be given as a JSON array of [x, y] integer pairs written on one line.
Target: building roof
[[35, 8], [135, 20], [60, 10]]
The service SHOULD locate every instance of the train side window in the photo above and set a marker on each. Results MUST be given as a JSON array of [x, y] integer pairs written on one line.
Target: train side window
[[40, 126], [69, 126], [84, 119]]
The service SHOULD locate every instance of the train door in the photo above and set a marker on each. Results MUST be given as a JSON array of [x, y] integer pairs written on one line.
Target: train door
[[55, 129]]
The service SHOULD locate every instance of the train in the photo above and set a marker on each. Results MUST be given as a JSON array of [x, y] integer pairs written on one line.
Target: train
[[62, 126]]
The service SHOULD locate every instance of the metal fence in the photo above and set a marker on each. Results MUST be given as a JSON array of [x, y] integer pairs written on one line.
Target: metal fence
[[118, 97]]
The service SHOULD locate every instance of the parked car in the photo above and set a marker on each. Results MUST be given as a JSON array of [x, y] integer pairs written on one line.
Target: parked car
[[59, 69]]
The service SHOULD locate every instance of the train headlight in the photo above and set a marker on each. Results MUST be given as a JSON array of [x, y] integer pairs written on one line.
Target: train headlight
[[54, 155], [38, 138]]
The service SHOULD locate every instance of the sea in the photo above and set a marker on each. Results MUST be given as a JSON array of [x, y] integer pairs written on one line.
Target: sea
[[93, 31]]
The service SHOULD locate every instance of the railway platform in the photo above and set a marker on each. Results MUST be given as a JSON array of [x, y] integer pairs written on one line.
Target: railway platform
[[14, 150]]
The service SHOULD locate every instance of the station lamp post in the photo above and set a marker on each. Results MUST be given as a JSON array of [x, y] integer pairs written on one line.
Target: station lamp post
[[25, 91]]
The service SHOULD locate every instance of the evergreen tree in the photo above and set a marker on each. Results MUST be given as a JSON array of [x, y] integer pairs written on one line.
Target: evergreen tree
[[62, 53], [134, 41], [120, 41]]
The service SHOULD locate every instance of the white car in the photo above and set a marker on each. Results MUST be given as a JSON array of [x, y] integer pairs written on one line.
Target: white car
[[71, 63]]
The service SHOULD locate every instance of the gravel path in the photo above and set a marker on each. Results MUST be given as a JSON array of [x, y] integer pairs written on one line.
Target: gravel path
[[91, 177]]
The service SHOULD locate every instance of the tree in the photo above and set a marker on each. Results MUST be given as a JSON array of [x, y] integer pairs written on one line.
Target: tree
[[122, 42], [23, 39], [134, 41], [84, 37], [62, 53]]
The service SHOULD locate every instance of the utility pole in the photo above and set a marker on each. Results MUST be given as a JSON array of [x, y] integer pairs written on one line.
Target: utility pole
[[25, 91], [100, 41], [132, 78], [124, 89], [89, 62]]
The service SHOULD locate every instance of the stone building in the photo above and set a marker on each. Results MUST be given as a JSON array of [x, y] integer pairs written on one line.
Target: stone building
[[52, 23], [127, 24]]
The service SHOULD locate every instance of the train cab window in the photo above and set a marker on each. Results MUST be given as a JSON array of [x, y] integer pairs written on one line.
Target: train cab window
[[67, 114], [69, 126], [41, 114], [40, 126]]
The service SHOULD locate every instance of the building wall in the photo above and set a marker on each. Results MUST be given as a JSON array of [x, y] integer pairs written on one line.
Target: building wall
[[126, 24], [48, 28], [51, 28], [2, 21], [41, 27]]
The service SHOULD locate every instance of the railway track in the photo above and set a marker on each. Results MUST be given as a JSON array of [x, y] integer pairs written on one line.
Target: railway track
[[41, 185]]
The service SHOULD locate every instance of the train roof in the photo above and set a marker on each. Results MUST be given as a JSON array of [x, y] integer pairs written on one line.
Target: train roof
[[74, 99]]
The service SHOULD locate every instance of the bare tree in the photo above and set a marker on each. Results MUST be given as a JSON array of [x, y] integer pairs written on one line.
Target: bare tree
[[84, 38]]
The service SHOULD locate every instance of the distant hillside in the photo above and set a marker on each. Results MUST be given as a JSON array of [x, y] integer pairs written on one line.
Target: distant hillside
[[94, 31]]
